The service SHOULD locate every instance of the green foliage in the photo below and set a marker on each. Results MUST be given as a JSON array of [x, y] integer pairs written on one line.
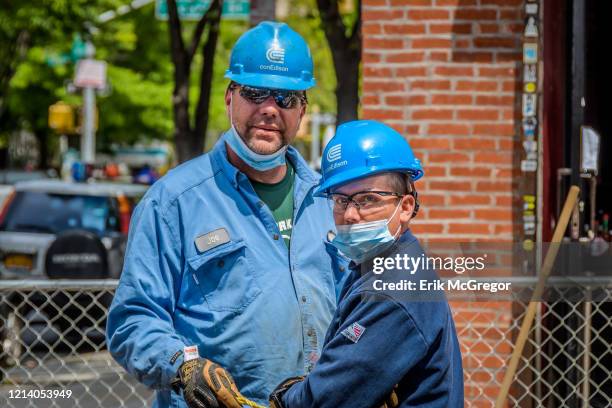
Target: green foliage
[[136, 49]]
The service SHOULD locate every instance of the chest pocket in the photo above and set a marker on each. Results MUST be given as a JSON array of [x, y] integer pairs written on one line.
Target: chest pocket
[[225, 277]]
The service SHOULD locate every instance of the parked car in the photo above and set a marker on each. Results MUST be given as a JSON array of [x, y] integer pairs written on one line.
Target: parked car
[[53, 229]]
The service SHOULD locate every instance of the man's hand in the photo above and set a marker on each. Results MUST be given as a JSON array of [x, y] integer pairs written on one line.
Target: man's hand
[[208, 385], [276, 398]]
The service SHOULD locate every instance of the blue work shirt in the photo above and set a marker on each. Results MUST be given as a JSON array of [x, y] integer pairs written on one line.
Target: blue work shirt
[[206, 265], [399, 340]]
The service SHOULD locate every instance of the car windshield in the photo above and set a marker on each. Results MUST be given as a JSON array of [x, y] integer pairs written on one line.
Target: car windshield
[[54, 213]]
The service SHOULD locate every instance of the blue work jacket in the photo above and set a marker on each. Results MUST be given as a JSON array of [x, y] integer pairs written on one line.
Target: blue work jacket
[[379, 339], [206, 265]]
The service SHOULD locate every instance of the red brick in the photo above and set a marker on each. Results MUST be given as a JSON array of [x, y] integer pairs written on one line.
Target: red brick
[[419, 227], [370, 72], [384, 15], [494, 129], [432, 114], [370, 100], [428, 14], [452, 70], [405, 57], [431, 43], [370, 57], [411, 71], [462, 3], [510, 14], [448, 129], [489, 28], [404, 28], [494, 72], [450, 185], [373, 3], [438, 56], [501, 186], [493, 215], [382, 114], [450, 28], [515, 28], [403, 100], [435, 213], [468, 229], [430, 200], [501, 2], [448, 158], [477, 114], [469, 199], [475, 14], [436, 171], [375, 86], [504, 229], [503, 200], [474, 144], [410, 2], [511, 86], [462, 43], [495, 158], [382, 44], [494, 100], [477, 86], [430, 85], [464, 56], [451, 99], [495, 42], [371, 28], [509, 57], [430, 144]]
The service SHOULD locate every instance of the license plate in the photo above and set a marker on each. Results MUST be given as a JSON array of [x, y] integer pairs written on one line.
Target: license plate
[[18, 261]]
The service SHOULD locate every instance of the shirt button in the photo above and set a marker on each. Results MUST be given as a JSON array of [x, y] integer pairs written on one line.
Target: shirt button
[[304, 299], [276, 237], [260, 204], [341, 269], [311, 332], [221, 264]]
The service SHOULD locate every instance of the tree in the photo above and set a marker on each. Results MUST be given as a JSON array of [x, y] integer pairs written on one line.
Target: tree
[[27, 23], [345, 46], [190, 138]]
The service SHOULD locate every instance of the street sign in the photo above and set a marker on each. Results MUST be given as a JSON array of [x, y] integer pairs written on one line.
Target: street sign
[[193, 10], [90, 73]]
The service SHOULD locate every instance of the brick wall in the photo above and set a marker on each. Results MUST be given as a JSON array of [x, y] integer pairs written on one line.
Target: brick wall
[[447, 75]]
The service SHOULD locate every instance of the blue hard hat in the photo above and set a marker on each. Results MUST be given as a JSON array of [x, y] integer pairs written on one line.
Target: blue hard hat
[[272, 55], [362, 148]]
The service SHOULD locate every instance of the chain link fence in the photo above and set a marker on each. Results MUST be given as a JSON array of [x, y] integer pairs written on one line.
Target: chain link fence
[[53, 345]]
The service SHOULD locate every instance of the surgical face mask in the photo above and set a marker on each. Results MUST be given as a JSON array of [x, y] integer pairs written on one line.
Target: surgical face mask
[[261, 162], [364, 241]]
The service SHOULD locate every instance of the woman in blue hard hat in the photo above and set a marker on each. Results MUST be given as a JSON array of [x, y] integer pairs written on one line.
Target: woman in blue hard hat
[[226, 258], [381, 342]]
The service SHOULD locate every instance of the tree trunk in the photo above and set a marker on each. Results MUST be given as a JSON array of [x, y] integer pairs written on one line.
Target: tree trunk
[[43, 149], [208, 63], [346, 54], [188, 140]]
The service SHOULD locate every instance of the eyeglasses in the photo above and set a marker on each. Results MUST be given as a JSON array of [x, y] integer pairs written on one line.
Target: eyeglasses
[[364, 201], [284, 99]]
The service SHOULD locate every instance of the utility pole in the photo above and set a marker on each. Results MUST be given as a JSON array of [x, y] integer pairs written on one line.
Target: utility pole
[[88, 134]]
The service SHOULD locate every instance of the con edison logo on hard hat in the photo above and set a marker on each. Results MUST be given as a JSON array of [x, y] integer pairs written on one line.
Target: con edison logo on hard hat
[[276, 55], [334, 153]]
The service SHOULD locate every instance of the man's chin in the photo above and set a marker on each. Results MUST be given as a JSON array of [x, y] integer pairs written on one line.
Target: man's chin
[[265, 142]]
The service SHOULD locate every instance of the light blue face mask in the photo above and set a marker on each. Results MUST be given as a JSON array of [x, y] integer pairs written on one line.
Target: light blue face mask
[[364, 241], [261, 162]]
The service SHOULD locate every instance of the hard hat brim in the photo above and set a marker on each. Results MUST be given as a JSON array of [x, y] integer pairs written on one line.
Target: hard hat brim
[[358, 174], [271, 81]]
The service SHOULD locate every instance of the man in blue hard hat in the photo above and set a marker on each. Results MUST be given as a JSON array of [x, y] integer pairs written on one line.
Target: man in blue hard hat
[[227, 259], [379, 341]]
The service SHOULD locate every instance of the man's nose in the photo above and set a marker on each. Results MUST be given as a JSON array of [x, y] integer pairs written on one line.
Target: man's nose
[[269, 107]]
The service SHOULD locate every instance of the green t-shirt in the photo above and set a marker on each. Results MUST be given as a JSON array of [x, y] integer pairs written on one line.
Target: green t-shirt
[[279, 198]]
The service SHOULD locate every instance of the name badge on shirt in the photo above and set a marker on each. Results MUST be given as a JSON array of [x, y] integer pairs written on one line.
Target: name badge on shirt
[[212, 239]]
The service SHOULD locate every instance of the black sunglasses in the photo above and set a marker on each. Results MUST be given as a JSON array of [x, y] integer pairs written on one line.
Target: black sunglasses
[[284, 99]]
